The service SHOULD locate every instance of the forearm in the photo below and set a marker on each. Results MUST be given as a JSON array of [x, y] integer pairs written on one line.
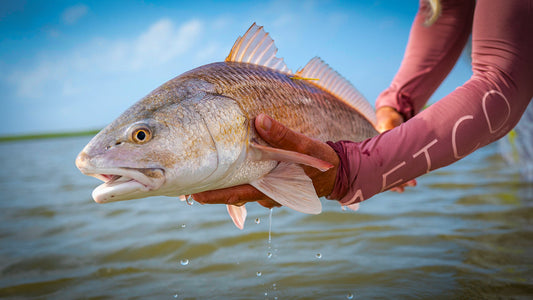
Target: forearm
[[440, 135], [430, 55]]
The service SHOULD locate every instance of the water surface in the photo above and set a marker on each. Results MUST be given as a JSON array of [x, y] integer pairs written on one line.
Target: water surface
[[465, 232]]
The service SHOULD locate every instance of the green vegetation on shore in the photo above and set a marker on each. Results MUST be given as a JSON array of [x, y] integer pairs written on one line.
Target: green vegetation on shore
[[22, 137]]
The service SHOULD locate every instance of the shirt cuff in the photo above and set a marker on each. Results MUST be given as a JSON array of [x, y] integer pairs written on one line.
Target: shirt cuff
[[398, 100], [349, 158]]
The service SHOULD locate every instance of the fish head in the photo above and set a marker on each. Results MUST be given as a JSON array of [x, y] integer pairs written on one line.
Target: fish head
[[109, 156], [175, 146]]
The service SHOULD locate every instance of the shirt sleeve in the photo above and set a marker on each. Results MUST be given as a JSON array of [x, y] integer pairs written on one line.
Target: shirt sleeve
[[431, 53], [477, 113]]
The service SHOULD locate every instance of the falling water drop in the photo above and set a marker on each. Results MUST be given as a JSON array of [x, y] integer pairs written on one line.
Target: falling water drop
[[257, 221], [176, 296], [183, 225], [190, 200], [349, 296], [274, 288], [343, 208], [259, 274], [318, 255], [184, 262], [270, 226], [269, 254]]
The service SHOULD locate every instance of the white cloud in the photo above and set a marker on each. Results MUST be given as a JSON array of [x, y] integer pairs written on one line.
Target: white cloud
[[161, 43], [210, 50], [35, 82], [72, 14]]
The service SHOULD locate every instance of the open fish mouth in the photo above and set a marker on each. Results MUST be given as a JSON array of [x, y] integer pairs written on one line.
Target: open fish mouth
[[125, 183]]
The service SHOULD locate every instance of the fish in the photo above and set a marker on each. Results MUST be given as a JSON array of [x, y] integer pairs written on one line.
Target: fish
[[195, 132]]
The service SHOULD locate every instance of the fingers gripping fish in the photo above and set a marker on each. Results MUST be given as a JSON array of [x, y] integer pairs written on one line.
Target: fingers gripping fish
[[195, 132]]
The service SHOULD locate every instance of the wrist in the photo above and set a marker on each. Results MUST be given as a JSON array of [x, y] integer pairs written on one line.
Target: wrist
[[342, 178]]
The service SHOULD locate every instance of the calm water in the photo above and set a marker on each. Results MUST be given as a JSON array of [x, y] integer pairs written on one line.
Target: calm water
[[465, 232]]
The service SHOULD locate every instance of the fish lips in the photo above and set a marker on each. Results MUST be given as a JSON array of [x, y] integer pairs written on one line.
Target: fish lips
[[125, 183]]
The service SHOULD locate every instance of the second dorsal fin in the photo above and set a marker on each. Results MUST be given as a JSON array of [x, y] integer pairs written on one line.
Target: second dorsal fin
[[257, 47], [333, 82]]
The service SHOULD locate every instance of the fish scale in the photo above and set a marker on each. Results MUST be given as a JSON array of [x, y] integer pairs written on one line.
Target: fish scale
[[298, 104]]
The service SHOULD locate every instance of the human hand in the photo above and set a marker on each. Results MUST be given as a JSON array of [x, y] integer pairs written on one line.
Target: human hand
[[279, 136], [387, 119]]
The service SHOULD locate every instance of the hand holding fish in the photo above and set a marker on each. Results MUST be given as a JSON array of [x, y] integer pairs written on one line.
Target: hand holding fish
[[194, 134], [279, 136]]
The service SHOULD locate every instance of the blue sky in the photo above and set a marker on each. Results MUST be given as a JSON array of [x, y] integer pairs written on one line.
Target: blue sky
[[68, 66]]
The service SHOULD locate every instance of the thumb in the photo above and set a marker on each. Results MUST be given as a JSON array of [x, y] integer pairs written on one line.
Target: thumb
[[277, 135]]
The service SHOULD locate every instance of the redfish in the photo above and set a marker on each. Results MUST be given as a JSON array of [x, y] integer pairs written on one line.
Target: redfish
[[195, 132]]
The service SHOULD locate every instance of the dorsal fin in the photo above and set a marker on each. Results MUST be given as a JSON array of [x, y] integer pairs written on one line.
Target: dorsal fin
[[337, 85], [257, 47]]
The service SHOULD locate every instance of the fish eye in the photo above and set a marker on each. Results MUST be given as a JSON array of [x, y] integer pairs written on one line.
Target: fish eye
[[141, 135]]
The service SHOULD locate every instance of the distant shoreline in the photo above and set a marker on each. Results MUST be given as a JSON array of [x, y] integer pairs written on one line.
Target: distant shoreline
[[22, 137]]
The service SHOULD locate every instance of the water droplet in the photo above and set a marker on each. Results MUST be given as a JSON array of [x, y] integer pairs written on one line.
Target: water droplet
[[259, 274], [343, 208], [190, 200], [318, 255], [269, 254], [184, 262], [270, 226], [183, 225], [266, 294], [176, 296], [349, 296], [257, 221]]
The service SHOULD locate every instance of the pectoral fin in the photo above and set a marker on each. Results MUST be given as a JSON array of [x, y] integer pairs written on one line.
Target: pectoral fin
[[260, 152], [237, 214], [288, 185]]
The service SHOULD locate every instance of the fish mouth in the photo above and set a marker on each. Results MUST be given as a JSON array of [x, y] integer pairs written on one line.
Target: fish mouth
[[125, 183]]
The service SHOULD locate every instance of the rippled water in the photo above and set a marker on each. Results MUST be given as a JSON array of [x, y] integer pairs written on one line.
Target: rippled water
[[465, 232]]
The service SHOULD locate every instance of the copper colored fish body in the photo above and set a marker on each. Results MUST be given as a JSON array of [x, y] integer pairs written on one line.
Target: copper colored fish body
[[195, 132]]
